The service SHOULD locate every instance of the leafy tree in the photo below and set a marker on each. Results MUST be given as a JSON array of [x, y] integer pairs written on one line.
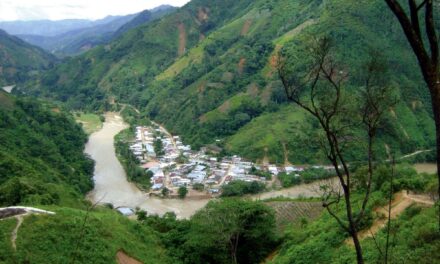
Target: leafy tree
[[288, 180], [231, 230], [319, 87], [198, 187], [141, 215], [182, 192], [165, 191], [240, 188], [158, 147], [428, 56]]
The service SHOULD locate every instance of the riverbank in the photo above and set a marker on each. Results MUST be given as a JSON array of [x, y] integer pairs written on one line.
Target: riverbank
[[111, 185]]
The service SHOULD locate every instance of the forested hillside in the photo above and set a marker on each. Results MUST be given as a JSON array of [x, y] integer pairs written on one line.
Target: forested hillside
[[41, 155], [208, 72], [19, 61]]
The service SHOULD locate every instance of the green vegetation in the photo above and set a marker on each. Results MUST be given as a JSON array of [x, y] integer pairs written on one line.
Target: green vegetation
[[90, 122], [198, 187], [62, 238], [182, 192], [20, 61], [294, 212], [41, 155], [165, 192], [42, 164], [79, 40], [225, 231], [261, 173], [129, 161], [120, 68], [211, 75], [240, 188], [306, 176], [158, 147], [414, 234], [207, 72], [289, 179], [6, 228]]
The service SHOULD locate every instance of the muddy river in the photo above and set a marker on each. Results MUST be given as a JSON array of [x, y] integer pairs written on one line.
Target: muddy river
[[111, 185], [426, 167]]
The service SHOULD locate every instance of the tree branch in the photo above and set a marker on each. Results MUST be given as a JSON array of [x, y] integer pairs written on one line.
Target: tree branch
[[430, 31], [415, 18]]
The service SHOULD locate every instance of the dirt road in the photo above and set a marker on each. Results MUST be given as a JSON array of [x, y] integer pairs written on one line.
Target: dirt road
[[402, 200]]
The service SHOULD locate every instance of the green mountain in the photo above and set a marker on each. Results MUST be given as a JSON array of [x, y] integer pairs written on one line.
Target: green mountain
[[207, 72], [52, 27], [20, 61], [77, 41], [143, 18]]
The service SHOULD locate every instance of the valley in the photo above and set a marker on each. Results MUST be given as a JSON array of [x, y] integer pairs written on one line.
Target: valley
[[222, 132], [112, 186]]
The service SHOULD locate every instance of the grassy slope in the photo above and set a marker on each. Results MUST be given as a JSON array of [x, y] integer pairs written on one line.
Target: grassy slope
[[90, 122], [133, 60], [56, 238], [266, 134], [203, 101], [6, 250], [204, 93], [322, 241], [229, 60]]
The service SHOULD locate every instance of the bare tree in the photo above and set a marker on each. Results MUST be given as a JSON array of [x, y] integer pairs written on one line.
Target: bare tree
[[427, 55], [319, 89]]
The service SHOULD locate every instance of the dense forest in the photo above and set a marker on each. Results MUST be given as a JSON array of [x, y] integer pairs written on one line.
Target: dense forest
[[41, 149]]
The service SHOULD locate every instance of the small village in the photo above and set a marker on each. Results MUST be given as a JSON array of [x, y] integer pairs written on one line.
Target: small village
[[178, 165]]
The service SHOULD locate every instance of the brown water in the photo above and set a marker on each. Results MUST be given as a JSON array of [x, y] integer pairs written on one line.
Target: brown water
[[111, 185], [426, 167]]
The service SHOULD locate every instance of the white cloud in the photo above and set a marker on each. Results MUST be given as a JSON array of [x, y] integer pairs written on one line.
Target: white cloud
[[64, 9]]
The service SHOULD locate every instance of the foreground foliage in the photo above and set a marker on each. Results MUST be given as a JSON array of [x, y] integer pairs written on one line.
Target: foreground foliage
[[62, 238], [414, 235], [225, 231]]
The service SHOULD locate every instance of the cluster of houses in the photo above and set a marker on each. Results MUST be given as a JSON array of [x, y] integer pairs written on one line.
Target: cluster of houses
[[178, 165]]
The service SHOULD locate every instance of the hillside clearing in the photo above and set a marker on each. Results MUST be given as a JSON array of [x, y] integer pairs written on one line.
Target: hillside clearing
[[182, 39], [291, 212], [90, 122]]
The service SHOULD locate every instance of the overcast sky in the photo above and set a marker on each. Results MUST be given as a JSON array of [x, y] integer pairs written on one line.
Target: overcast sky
[[62, 9]]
